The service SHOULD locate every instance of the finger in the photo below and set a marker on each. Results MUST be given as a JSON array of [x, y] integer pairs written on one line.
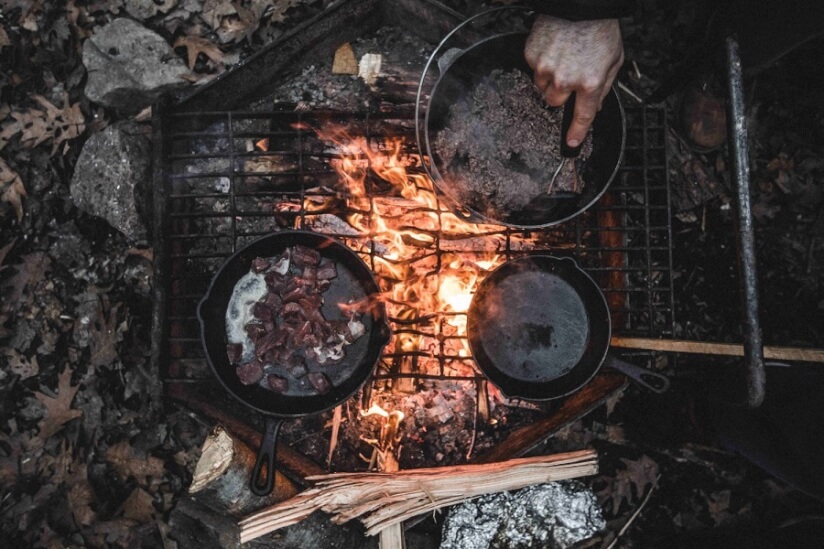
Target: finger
[[542, 80], [586, 105], [555, 97], [611, 75]]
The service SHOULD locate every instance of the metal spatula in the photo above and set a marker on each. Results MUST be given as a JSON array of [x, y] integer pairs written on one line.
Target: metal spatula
[[566, 176]]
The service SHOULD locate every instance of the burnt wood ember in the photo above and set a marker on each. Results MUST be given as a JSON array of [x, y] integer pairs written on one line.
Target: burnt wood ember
[[501, 145]]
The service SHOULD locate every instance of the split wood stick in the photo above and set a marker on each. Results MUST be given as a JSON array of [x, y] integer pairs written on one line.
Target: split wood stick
[[727, 349], [380, 500]]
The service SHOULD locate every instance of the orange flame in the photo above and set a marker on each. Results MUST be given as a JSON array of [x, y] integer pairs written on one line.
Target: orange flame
[[402, 228]]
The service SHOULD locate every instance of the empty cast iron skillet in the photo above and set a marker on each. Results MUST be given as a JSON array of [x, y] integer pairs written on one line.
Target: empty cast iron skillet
[[354, 282], [539, 328], [460, 72]]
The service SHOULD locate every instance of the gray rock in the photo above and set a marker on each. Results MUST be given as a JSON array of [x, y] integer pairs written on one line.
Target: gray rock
[[130, 66], [110, 177]]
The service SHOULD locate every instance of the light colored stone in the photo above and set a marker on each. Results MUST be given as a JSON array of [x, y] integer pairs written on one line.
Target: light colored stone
[[111, 176], [130, 66]]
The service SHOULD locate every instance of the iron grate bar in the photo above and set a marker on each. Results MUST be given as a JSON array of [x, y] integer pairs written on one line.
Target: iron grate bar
[[203, 217]]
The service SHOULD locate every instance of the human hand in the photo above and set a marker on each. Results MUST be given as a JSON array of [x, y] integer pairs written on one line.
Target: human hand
[[582, 57]]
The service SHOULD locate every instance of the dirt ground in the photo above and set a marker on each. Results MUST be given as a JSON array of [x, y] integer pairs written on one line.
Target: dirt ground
[[91, 455]]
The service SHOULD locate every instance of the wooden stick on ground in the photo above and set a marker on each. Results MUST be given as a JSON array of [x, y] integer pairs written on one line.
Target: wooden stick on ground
[[727, 349], [380, 500]]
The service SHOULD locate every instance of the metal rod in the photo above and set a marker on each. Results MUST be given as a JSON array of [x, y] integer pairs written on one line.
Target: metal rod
[[753, 351]]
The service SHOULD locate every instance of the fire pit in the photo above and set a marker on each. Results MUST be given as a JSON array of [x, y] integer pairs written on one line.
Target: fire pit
[[233, 167]]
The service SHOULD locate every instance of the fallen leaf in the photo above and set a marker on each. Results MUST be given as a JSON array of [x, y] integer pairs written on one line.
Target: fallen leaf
[[36, 126], [4, 38], [28, 275], [104, 336], [138, 506], [638, 474], [280, 7], [58, 410], [4, 251], [236, 21], [10, 462], [12, 190], [21, 366], [81, 496], [196, 45], [129, 462], [345, 61]]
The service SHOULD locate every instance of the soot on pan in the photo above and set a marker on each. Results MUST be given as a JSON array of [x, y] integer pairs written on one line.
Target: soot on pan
[[278, 335]]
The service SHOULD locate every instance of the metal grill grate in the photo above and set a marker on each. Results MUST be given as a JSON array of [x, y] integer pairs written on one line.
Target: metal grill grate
[[230, 177]]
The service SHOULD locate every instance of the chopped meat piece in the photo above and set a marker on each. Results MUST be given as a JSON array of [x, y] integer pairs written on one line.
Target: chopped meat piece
[[255, 330], [303, 256], [262, 311], [278, 384], [310, 276], [234, 351], [250, 373], [274, 281], [297, 368], [320, 382], [327, 271], [260, 264], [274, 301], [295, 294]]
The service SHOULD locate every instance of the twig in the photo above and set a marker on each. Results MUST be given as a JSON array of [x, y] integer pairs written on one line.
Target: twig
[[333, 443], [635, 514], [628, 91]]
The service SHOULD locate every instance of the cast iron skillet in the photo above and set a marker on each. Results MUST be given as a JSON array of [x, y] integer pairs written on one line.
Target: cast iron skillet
[[539, 328], [460, 71], [354, 282]]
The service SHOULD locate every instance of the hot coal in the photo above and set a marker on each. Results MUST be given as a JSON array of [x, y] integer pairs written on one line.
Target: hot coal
[[501, 145], [289, 340]]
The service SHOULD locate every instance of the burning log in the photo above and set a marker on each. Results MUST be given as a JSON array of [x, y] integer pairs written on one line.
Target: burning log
[[380, 500]]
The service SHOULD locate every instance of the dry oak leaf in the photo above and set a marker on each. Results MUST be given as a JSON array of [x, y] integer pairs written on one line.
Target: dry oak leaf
[[195, 45], [639, 473], [280, 7], [105, 335], [58, 410], [28, 275], [21, 366], [12, 190], [81, 496], [128, 462], [58, 125], [138, 506]]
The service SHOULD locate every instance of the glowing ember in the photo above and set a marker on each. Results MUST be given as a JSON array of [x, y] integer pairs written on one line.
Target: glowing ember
[[374, 410]]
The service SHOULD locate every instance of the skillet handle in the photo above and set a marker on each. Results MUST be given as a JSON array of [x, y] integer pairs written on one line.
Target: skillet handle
[[263, 487], [653, 381], [566, 122]]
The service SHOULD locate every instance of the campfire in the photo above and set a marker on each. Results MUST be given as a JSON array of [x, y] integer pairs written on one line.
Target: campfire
[[358, 177]]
